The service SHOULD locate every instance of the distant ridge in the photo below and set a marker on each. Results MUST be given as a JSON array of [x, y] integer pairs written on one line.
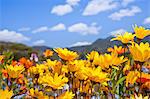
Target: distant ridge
[[21, 50], [41, 48], [99, 45]]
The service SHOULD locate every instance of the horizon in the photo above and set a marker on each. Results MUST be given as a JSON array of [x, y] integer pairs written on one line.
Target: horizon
[[69, 22], [53, 47]]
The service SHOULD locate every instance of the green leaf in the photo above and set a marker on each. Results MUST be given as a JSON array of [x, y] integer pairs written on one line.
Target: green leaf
[[120, 80]]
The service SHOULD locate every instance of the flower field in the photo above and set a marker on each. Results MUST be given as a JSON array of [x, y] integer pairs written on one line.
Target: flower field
[[123, 72]]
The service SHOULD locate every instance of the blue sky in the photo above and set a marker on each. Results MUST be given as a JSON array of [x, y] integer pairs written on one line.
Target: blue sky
[[65, 23]]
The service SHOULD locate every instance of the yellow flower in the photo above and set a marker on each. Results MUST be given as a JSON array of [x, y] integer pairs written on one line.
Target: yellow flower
[[5, 94], [56, 66], [135, 96], [141, 32], [14, 71], [1, 57], [127, 67], [56, 81], [48, 53], [97, 75], [103, 60], [65, 54], [64, 69], [82, 74], [145, 75], [140, 52], [107, 60], [66, 95], [92, 55], [125, 38], [38, 69], [117, 61], [119, 49], [51, 63], [37, 94], [131, 77], [86, 86], [75, 65], [76, 83]]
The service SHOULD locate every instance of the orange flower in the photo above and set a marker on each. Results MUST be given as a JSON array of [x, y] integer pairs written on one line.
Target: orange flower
[[119, 49], [20, 79], [27, 63], [146, 85], [22, 60], [48, 53], [14, 63], [144, 78], [5, 73]]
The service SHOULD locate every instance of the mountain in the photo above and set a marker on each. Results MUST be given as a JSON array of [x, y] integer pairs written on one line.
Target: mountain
[[21, 50], [100, 45], [41, 48]]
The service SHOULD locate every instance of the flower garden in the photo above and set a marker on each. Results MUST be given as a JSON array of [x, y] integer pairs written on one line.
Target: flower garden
[[123, 72]]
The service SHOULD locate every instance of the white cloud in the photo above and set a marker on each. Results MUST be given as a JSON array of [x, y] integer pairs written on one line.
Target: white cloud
[[118, 32], [23, 29], [81, 43], [72, 2], [84, 29], [96, 6], [61, 10], [146, 20], [12, 36], [58, 27], [41, 29], [39, 42], [126, 2], [125, 13]]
